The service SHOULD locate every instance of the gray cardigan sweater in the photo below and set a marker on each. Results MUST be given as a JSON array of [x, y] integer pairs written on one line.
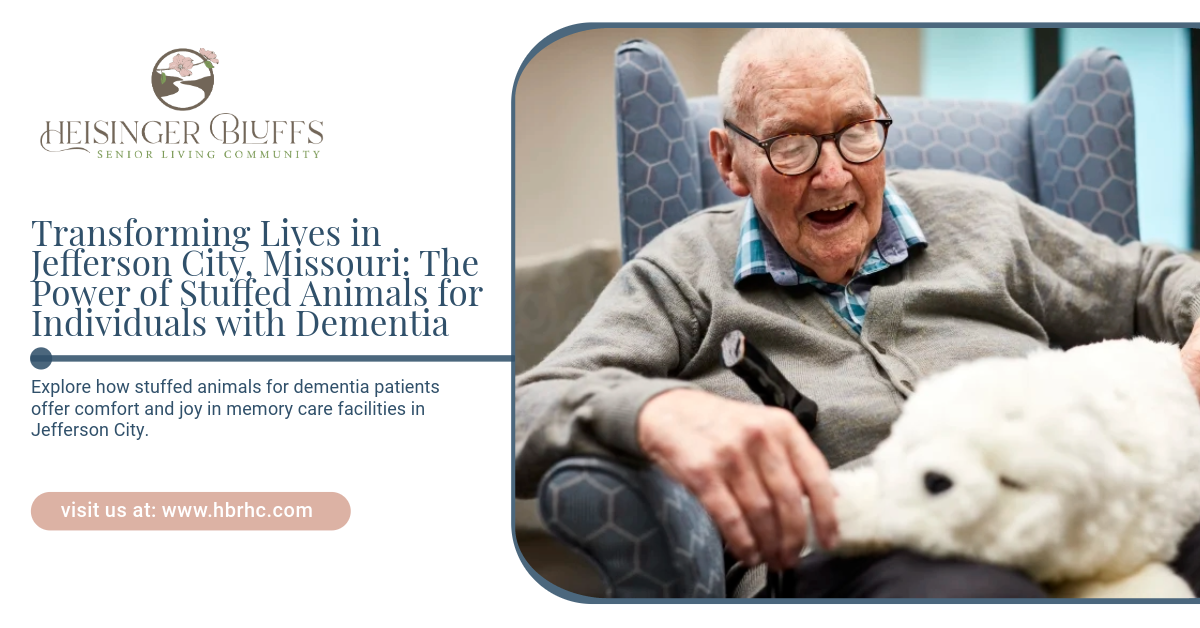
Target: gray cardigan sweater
[[1000, 276]]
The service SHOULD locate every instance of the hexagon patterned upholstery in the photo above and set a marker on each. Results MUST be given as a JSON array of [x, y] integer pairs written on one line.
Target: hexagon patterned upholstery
[[1082, 125], [1070, 150], [650, 537]]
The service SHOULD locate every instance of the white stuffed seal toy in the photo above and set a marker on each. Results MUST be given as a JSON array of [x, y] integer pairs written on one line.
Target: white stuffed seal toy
[[1079, 467]]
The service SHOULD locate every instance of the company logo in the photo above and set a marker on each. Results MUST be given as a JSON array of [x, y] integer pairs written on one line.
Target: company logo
[[183, 78]]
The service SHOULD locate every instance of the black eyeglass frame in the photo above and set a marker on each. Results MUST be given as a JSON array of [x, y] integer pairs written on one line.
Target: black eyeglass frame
[[836, 136]]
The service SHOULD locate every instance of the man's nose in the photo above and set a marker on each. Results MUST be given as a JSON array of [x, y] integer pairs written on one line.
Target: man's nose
[[830, 173]]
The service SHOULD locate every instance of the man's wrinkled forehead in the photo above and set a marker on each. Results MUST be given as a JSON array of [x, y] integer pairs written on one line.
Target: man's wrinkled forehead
[[793, 111], [820, 74]]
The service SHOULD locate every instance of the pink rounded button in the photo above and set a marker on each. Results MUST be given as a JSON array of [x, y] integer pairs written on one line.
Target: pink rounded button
[[190, 511]]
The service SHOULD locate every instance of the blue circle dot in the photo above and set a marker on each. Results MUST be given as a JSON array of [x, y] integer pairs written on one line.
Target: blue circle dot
[[41, 358]]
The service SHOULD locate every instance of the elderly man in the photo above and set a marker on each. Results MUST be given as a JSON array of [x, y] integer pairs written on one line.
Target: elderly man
[[856, 282]]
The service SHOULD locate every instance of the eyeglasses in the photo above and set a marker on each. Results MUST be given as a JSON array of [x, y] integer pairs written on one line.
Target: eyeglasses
[[794, 154]]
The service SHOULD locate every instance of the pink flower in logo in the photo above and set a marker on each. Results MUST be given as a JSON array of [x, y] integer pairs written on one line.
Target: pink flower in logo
[[210, 55], [183, 64]]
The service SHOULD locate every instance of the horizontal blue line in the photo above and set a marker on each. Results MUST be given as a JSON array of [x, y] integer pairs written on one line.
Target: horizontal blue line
[[283, 358]]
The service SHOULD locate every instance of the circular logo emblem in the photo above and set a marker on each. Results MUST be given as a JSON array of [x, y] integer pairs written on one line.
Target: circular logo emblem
[[183, 78]]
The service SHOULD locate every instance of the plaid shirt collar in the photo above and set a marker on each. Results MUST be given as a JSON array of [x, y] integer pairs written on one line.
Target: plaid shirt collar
[[759, 253]]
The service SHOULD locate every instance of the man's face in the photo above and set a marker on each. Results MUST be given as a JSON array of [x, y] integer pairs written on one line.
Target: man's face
[[821, 96]]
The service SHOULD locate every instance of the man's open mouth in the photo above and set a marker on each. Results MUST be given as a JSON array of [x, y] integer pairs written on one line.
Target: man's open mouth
[[833, 215]]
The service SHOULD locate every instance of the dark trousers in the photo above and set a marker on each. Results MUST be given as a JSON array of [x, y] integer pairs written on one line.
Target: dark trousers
[[902, 574]]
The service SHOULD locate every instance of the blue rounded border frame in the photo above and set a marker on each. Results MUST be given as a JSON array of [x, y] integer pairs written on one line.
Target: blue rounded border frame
[[586, 26]]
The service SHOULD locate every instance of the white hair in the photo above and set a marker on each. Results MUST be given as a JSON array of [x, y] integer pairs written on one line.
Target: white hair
[[779, 44]]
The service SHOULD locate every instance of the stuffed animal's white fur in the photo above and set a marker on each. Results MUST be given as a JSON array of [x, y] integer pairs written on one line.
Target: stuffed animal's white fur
[[1080, 467]]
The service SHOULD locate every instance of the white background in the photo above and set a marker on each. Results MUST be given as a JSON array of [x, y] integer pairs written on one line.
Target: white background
[[402, 92]]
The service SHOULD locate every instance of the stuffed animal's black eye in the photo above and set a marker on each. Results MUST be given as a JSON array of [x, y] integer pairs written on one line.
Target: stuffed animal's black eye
[[936, 483], [1008, 483]]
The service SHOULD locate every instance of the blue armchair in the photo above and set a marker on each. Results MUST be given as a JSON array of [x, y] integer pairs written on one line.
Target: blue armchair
[[1071, 150]]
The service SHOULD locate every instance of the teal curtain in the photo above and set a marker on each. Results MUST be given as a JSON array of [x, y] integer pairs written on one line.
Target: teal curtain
[[977, 63]]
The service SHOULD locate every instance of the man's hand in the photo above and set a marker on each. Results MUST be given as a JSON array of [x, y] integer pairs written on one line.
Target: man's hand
[[749, 465], [1190, 355]]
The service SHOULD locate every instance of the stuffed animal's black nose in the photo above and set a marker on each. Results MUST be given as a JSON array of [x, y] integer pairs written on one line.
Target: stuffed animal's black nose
[[937, 483]]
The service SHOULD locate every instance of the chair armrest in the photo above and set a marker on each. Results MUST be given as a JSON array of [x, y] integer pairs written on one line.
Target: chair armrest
[[647, 535]]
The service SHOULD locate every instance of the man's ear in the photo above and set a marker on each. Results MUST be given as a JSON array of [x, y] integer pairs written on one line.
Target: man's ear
[[722, 154]]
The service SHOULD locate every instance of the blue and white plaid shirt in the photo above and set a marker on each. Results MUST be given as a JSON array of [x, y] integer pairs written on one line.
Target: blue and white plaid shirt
[[760, 253]]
